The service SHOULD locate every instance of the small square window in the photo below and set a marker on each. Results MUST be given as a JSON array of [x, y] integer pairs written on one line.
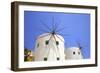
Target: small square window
[[57, 43], [79, 53], [57, 58], [47, 42], [74, 53], [45, 59], [38, 45]]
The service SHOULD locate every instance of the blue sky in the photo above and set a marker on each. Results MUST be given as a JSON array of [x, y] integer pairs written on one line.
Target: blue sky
[[76, 28]]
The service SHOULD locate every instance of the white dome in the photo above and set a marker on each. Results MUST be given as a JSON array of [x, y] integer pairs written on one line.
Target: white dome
[[73, 53], [49, 47]]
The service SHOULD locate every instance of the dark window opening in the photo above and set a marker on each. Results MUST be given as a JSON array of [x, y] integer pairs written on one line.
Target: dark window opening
[[38, 45], [45, 59], [73, 52], [47, 42], [57, 58], [57, 43], [79, 53]]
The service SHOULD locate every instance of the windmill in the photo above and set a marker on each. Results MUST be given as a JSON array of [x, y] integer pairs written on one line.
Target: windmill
[[74, 52], [50, 45]]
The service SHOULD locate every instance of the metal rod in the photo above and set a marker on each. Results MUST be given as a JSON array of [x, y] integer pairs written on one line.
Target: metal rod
[[45, 25], [62, 34], [59, 38], [61, 29], [45, 35], [56, 45], [48, 47], [44, 31]]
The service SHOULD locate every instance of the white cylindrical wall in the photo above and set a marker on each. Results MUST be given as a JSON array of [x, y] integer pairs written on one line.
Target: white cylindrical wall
[[73, 53], [50, 51]]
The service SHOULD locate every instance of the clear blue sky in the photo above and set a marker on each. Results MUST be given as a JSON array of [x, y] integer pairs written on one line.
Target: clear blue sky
[[76, 28]]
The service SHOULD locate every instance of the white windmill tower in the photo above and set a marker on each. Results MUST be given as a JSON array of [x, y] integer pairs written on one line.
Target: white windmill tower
[[74, 52], [50, 46]]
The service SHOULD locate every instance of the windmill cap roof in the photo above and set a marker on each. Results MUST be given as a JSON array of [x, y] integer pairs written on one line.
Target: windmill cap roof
[[49, 34], [72, 48]]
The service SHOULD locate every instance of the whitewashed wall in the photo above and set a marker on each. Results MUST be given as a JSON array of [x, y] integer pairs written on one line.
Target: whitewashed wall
[[51, 51]]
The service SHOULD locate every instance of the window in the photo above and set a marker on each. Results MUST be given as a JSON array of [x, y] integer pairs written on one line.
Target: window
[[57, 58], [45, 59], [57, 43], [47, 42], [73, 52], [37, 45], [79, 53]]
